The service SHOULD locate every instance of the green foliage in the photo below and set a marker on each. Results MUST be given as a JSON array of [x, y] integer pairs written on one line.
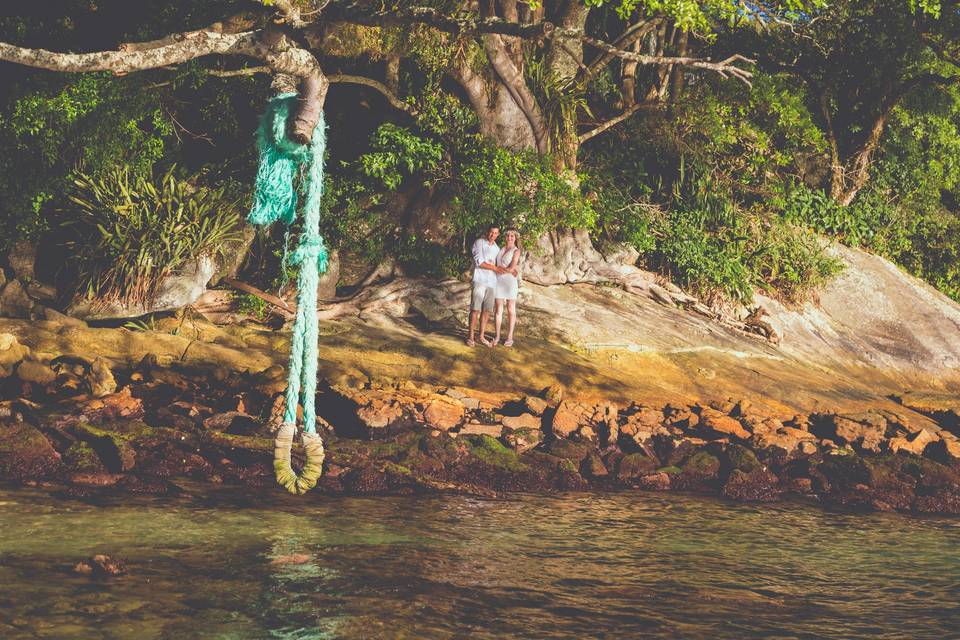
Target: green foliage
[[132, 231], [251, 305], [560, 100], [498, 186], [397, 153]]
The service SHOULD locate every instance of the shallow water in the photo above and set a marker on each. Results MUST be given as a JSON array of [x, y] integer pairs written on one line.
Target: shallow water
[[627, 565]]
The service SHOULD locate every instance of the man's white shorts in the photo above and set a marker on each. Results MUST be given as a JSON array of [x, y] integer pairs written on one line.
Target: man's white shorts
[[482, 298]]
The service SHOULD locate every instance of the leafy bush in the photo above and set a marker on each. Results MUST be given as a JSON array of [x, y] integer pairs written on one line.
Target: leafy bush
[[498, 186], [133, 230]]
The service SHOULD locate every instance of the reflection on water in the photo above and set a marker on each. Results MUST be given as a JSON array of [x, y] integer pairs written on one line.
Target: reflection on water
[[583, 566]]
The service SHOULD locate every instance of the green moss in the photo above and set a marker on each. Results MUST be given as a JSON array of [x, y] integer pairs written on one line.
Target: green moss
[[492, 451], [702, 463], [743, 459], [80, 456], [397, 469], [669, 470], [249, 443]]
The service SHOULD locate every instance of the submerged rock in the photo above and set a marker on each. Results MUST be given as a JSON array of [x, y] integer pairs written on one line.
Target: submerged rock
[[101, 565]]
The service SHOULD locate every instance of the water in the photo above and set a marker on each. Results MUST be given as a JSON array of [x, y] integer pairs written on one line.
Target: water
[[583, 566]]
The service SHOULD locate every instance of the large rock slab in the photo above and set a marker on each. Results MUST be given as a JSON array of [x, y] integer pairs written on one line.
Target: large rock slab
[[177, 291]]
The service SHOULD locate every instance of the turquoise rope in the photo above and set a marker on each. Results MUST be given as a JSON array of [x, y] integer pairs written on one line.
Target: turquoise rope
[[275, 199]]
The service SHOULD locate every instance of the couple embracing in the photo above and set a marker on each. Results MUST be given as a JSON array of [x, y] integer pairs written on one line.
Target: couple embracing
[[495, 284]]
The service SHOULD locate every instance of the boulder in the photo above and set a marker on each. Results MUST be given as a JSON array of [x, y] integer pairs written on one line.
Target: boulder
[[553, 394], [112, 447], [635, 465], [523, 421], [915, 443], [868, 436], [100, 379], [524, 439], [26, 454], [593, 467], [11, 354], [717, 424], [535, 405], [14, 301], [566, 420], [479, 429], [177, 291], [36, 372], [444, 413]]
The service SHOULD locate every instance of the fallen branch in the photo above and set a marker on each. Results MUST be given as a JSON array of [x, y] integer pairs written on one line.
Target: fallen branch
[[263, 295]]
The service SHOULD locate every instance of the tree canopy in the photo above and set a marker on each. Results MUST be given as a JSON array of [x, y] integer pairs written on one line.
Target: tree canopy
[[714, 135]]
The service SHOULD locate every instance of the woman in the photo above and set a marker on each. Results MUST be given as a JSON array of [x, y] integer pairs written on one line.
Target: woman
[[507, 284]]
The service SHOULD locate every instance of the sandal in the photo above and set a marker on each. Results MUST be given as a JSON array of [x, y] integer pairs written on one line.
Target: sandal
[[508, 343], [471, 343], [495, 342], [485, 342]]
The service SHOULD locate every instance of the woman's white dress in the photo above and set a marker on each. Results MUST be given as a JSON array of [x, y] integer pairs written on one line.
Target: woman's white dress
[[507, 283]]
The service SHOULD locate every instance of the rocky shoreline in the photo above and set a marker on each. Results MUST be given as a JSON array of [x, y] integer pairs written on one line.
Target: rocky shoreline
[[85, 427]]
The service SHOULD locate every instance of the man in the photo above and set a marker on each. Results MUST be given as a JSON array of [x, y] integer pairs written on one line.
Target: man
[[484, 291]]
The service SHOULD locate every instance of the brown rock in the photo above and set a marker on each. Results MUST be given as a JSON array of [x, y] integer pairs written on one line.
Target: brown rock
[[523, 421], [914, 444], [25, 453], [524, 439], [553, 394], [565, 421], [783, 441], [593, 466], [444, 413], [646, 419], [121, 404], [14, 301], [379, 414], [799, 434], [478, 429], [36, 372], [867, 436], [808, 447], [11, 354], [724, 425], [682, 417], [535, 405], [100, 379]]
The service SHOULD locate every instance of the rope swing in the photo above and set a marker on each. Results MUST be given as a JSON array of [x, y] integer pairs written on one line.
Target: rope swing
[[275, 198]]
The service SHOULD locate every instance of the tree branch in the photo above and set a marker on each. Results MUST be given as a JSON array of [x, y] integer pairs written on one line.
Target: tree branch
[[725, 68], [627, 38], [191, 45], [464, 23], [612, 122], [377, 86]]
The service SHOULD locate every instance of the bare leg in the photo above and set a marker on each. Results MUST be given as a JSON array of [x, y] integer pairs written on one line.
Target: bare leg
[[511, 318], [497, 318], [474, 316], [484, 317]]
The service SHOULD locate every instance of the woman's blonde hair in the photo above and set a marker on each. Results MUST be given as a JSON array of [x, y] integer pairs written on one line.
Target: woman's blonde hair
[[516, 233]]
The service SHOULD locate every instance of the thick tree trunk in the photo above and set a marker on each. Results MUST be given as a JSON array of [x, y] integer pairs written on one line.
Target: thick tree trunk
[[501, 119]]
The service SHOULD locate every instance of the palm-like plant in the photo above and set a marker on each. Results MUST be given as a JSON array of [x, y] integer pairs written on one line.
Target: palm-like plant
[[133, 231]]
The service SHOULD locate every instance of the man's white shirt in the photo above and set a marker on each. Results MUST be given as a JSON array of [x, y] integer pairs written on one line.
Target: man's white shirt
[[484, 251]]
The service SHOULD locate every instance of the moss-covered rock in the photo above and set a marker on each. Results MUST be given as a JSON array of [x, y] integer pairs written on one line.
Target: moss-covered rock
[[635, 465], [80, 457], [26, 454], [494, 453]]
